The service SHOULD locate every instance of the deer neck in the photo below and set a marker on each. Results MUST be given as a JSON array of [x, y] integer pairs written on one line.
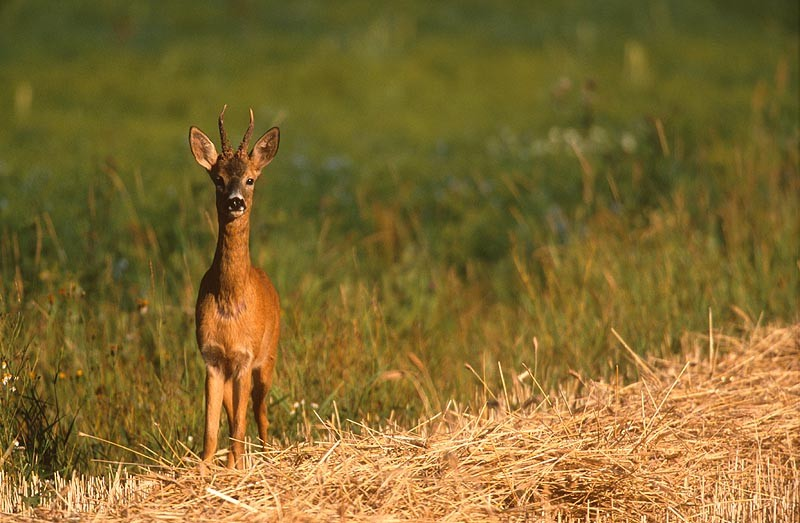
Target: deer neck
[[232, 260]]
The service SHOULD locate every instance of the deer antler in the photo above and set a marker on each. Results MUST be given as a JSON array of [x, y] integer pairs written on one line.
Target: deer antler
[[226, 144], [247, 135]]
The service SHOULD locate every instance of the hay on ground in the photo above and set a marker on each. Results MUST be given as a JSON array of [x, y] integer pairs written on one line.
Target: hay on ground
[[711, 436]]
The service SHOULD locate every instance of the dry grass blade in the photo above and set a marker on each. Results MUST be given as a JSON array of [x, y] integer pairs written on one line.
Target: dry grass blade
[[719, 446]]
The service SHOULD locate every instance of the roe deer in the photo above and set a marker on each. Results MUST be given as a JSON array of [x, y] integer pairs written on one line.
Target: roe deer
[[238, 313]]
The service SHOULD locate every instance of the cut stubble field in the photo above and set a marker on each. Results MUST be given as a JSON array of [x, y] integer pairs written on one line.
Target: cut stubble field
[[710, 435]]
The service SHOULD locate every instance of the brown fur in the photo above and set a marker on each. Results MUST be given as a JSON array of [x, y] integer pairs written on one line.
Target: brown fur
[[238, 311]]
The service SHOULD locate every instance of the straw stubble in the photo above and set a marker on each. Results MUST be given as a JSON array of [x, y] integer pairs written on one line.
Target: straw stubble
[[687, 442]]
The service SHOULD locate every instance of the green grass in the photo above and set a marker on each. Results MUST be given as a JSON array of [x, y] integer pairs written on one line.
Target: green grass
[[426, 209]]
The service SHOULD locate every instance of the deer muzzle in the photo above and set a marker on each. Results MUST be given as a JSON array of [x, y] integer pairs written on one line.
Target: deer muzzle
[[236, 204]]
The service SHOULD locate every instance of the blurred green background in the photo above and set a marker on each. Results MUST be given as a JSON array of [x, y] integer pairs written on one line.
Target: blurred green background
[[457, 183]]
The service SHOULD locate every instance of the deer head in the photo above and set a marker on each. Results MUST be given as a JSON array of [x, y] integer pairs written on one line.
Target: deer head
[[234, 173]]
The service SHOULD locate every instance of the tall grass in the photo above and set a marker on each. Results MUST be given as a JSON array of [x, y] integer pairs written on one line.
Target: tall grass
[[457, 185]]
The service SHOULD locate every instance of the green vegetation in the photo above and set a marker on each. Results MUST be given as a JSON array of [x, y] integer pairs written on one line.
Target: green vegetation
[[457, 184]]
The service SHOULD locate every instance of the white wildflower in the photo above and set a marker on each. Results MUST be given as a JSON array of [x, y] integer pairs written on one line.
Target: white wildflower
[[628, 143]]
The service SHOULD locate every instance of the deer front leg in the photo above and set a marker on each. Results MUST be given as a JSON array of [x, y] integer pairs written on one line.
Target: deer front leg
[[215, 384], [242, 385]]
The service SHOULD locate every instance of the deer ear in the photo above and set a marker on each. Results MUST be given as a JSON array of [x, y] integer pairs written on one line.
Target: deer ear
[[265, 149], [202, 148]]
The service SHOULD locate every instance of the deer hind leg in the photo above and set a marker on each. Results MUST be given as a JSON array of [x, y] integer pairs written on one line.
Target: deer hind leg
[[262, 380], [227, 404]]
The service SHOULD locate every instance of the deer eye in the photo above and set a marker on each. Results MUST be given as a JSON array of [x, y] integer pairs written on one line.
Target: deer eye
[[219, 182], [250, 181]]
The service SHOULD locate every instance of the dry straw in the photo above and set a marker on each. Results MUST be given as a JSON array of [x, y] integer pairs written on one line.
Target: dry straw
[[700, 438]]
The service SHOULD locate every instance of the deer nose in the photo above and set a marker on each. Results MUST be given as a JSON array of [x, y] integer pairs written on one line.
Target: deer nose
[[236, 204]]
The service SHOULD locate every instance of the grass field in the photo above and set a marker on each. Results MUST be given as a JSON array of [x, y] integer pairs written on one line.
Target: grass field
[[464, 191]]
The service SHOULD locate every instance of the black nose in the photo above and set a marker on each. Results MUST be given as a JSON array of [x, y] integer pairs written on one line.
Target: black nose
[[236, 204]]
